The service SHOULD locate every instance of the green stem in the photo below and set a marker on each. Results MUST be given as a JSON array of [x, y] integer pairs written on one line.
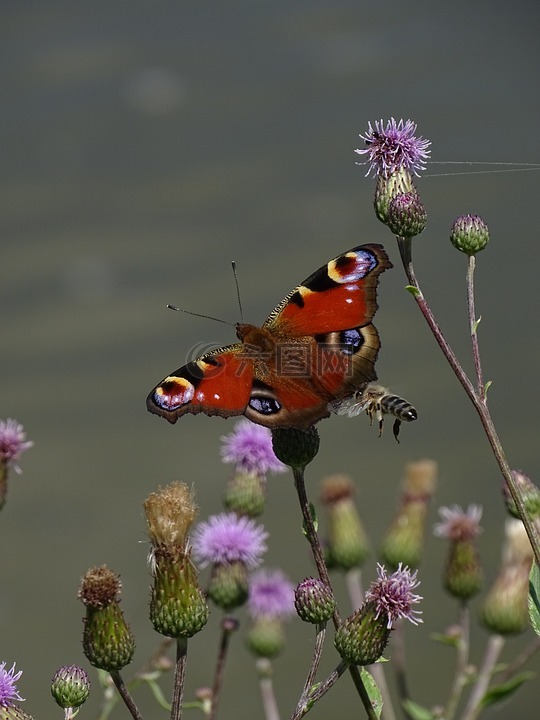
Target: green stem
[[478, 401], [462, 659], [493, 650]]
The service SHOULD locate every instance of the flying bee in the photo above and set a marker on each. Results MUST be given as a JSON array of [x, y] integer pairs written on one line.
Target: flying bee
[[377, 401]]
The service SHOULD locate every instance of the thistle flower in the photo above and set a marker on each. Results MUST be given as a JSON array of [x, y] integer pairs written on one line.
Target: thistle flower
[[12, 443], [108, 642], [529, 493], [347, 543], [177, 605], [270, 603], [249, 446], [393, 146], [463, 572], [404, 539], [8, 689], [70, 686], [469, 234], [362, 638], [233, 545], [227, 538], [505, 609]]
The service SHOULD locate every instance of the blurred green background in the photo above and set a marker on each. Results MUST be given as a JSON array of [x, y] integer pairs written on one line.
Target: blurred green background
[[145, 146]]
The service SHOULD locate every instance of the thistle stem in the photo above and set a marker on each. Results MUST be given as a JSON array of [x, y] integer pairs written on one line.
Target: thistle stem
[[462, 659], [125, 695], [477, 400], [317, 653], [226, 632], [493, 650], [473, 324], [264, 668], [321, 690], [179, 678]]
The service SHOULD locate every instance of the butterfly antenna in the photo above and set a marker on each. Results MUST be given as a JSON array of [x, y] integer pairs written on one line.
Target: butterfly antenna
[[233, 265], [208, 317]]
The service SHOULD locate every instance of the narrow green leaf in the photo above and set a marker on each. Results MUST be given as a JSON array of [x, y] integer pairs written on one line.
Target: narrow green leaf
[[534, 598], [158, 694], [372, 690], [451, 640], [476, 324], [417, 712], [487, 386], [413, 290], [314, 517], [497, 693]]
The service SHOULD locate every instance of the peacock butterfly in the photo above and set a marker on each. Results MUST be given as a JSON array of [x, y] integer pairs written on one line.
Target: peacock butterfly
[[316, 347]]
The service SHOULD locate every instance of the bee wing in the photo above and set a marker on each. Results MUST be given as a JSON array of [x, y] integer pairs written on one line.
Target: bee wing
[[351, 405]]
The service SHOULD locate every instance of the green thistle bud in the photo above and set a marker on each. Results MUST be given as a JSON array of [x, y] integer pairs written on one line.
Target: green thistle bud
[[404, 540], [70, 686], [108, 642], [266, 637], [399, 182], [295, 447], [529, 493], [469, 234], [245, 494], [228, 586], [463, 573], [362, 638], [314, 601], [407, 215], [348, 545], [505, 610], [177, 606]]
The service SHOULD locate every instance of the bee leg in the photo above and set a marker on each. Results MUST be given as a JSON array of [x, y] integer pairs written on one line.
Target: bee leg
[[380, 418], [395, 429]]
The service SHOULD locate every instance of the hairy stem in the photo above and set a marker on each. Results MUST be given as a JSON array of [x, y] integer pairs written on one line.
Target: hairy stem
[[228, 626], [179, 678], [473, 324], [125, 695], [317, 653]]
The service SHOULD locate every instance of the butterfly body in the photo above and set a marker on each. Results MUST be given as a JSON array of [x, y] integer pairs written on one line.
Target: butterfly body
[[316, 346]]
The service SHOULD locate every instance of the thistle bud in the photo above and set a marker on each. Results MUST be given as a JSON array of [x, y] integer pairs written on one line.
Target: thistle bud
[[530, 495], [271, 602], [399, 182], [295, 447], [266, 637], [245, 494], [407, 215], [70, 686], [314, 601], [404, 539], [177, 605], [348, 545], [505, 610], [469, 234], [228, 586], [108, 642], [463, 573]]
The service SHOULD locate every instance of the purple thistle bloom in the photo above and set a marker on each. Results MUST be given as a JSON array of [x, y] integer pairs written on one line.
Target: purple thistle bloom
[[250, 447], [393, 596], [12, 442], [458, 524], [271, 594], [394, 146], [227, 538], [8, 691]]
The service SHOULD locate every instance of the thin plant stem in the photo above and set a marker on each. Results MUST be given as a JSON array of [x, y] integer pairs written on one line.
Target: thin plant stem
[[478, 401], [474, 705], [179, 678], [462, 659], [321, 690], [228, 626], [264, 668], [510, 670], [317, 653], [313, 538], [473, 325], [125, 695], [400, 665]]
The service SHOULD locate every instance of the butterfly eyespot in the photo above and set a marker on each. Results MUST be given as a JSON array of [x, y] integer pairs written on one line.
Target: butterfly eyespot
[[351, 341], [264, 405], [351, 267], [173, 393]]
